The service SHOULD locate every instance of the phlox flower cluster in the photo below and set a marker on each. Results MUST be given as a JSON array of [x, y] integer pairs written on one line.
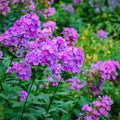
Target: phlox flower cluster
[[55, 51], [4, 7], [72, 59], [23, 30], [70, 35], [100, 107], [77, 1], [93, 81], [76, 84], [42, 48], [23, 96], [51, 25], [68, 8], [1, 38], [107, 69], [101, 34], [17, 1], [28, 4], [52, 81], [45, 54], [47, 12], [23, 70], [57, 55], [100, 72], [50, 2]]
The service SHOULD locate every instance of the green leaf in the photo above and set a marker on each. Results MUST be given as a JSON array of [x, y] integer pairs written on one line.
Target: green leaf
[[17, 104], [77, 112], [38, 111], [65, 117], [29, 116], [45, 97], [52, 109], [83, 100], [3, 96], [49, 119], [6, 61], [62, 110]]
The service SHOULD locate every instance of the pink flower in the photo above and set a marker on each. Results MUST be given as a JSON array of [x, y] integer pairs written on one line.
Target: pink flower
[[94, 112], [23, 96], [101, 34]]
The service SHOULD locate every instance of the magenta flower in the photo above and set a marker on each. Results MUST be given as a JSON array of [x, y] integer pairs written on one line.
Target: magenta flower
[[50, 2], [23, 70], [24, 29], [98, 108], [108, 69], [68, 8], [76, 84], [102, 70], [101, 34], [4, 7], [77, 1], [72, 59], [47, 12], [23, 96], [70, 35], [50, 25]]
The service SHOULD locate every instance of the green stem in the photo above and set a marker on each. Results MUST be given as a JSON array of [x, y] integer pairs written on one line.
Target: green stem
[[53, 97], [26, 100]]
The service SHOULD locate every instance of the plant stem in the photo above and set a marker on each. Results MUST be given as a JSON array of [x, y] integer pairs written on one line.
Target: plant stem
[[26, 100], [53, 97]]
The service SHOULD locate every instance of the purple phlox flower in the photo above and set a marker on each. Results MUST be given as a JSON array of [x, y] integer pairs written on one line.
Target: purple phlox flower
[[33, 57], [76, 84], [23, 70], [72, 59], [32, 45], [100, 108], [47, 33], [52, 80], [1, 37], [101, 34], [77, 1], [68, 8], [4, 7], [108, 69], [50, 25], [47, 12], [50, 2], [28, 4], [23, 96], [102, 70], [24, 29], [48, 53], [70, 35], [61, 44]]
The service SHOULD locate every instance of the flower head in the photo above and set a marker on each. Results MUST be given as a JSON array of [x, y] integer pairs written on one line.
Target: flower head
[[23, 96], [101, 34]]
